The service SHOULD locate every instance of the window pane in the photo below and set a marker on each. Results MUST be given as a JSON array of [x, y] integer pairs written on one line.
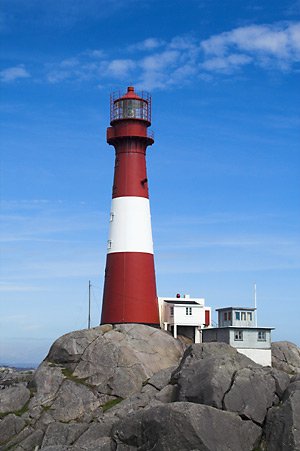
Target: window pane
[[238, 335], [237, 315]]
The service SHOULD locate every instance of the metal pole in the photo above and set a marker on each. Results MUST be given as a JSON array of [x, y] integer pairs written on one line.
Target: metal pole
[[89, 318], [255, 305]]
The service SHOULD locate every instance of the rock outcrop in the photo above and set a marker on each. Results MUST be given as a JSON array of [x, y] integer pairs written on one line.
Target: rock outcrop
[[133, 387], [286, 356]]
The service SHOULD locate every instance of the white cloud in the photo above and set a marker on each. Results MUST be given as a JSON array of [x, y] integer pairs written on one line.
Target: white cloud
[[70, 62], [4, 286], [13, 73], [120, 67], [147, 44], [159, 64], [96, 53], [226, 64], [266, 45]]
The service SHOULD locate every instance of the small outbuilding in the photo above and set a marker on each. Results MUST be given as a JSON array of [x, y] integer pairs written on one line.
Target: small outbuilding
[[237, 326], [184, 316]]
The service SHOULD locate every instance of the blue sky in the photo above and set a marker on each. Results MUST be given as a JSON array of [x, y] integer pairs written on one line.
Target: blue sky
[[223, 171]]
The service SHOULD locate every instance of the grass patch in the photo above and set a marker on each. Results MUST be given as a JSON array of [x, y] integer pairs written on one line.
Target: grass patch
[[32, 390], [45, 408], [69, 375], [15, 412], [145, 382], [110, 404]]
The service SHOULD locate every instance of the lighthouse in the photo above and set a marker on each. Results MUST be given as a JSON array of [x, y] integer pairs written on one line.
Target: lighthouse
[[129, 294]]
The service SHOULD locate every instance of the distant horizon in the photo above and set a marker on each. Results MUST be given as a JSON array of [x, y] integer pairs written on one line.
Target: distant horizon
[[27, 366]]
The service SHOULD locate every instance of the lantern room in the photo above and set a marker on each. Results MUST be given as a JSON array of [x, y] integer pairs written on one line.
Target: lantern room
[[130, 105]]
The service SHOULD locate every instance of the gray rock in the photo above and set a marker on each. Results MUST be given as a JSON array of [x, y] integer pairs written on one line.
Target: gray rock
[[44, 421], [254, 391], [283, 422], [199, 351], [73, 400], [95, 431], [286, 356], [47, 381], [119, 361], [167, 394], [101, 444], [57, 448], [13, 399], [10, 426], [24, 433], [62, 434], [162, 378], [68, 349], [207, 380], [31, 442], [185, 427]]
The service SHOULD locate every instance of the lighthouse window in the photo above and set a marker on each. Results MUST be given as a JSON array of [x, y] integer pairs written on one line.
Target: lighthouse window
[[261, 335], [188, 310], [171, 311], [109, 244], [112, 216], [238, 335]]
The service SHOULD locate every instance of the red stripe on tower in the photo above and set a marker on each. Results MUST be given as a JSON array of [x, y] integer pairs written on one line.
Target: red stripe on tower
[[129, 289]]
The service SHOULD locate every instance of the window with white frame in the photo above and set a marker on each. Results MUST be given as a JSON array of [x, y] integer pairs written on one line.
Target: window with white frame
[[237, 316], [261, 335], [249, 316], [188, 310], [243, 316], [238, 335]]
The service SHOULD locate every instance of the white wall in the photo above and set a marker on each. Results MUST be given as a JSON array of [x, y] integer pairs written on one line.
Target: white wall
[[261, 356], [197, 317]]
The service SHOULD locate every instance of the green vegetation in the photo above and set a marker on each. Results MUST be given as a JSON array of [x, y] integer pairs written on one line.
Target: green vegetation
[[110, 404], [15, 412], [69, 375], [45, 408]]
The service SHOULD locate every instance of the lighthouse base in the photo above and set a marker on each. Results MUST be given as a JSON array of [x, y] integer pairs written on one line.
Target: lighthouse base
[[130, 289]]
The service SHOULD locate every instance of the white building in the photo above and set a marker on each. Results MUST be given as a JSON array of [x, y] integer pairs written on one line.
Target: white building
[[184, 316], [238, 328]]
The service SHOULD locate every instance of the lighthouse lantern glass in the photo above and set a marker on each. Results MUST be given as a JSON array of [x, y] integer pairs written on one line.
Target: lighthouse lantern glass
[[130, 108]]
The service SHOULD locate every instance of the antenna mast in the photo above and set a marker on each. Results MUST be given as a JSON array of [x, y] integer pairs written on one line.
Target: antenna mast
[[89, 317], [255, 305]]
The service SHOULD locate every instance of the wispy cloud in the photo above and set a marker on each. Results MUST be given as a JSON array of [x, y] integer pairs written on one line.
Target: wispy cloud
[[13, 73], [265, 45], [4, 286], [147, 44], [157, 64]]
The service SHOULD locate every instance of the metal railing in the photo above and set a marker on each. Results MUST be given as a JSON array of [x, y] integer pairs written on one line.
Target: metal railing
[[139, 113], [150, 134]]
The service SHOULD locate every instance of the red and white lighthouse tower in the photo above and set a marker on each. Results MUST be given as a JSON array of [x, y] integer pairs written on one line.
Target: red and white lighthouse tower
[[130, 289]]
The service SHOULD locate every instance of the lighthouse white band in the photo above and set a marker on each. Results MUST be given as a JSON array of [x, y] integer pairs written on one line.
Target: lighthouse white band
[[130, 225]]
